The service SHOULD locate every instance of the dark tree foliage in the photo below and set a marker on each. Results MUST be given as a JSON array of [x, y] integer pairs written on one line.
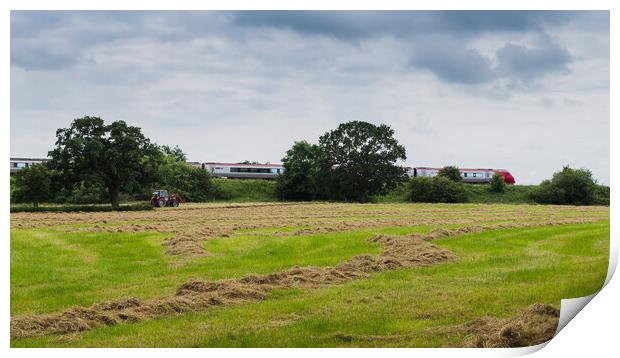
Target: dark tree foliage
[[568, 186], [497, 184], [31, 185], [118, 155], [358, 160], [192, 184], [299, 179], [176, 153], [436, 190], [451, 172]]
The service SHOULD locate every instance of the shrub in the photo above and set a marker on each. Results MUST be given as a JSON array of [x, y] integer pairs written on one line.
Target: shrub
[[421, 190], [192, 184], [87, 193], [31, 185], [451, 172], [601, 195], [568, 186], [497, 184], [436, 190]]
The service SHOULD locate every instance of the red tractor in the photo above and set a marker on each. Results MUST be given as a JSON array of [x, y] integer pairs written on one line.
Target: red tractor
[[161, 198]]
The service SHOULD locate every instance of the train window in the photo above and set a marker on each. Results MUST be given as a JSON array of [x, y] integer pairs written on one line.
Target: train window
[[474, 175], [465, 175]]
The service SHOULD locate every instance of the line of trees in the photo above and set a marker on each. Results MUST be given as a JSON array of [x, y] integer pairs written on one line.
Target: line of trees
[[97, 162]]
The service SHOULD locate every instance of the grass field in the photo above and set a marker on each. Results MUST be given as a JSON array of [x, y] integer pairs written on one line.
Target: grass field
[[515, 256]]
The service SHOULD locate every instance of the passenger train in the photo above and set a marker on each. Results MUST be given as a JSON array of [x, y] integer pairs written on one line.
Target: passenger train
[[472, 176], [271, 171]]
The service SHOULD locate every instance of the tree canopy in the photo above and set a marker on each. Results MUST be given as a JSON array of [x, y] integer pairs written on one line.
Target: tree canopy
[[299, 180], [353, 162], [117, 154], [451, 172]]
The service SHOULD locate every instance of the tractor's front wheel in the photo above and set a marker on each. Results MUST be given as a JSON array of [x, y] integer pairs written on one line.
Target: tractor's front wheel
[[161, 203], [175, 203]]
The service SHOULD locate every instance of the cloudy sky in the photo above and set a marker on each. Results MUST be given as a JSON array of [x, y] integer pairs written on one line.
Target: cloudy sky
[[525, 91]]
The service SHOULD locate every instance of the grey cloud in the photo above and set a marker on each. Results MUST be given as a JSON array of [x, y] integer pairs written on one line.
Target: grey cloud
[[528, 62], [361, 24], [452, 61], [37, 55]]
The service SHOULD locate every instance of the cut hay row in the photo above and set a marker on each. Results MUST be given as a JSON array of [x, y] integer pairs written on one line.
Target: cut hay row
[[397, 252], [190, 228]]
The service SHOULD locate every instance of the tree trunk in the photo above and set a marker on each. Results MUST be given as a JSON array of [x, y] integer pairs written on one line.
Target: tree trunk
[[113, 191]]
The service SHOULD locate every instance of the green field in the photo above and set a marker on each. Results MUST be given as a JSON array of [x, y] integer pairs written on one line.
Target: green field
[[63, 260]]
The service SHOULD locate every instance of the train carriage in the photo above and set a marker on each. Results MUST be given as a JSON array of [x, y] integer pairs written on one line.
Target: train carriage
[[472, 176]]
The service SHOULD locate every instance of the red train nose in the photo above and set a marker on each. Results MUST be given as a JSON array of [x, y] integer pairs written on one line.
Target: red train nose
[[508, 178]]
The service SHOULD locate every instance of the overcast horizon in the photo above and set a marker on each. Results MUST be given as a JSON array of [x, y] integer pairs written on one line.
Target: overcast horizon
[[527, 91]]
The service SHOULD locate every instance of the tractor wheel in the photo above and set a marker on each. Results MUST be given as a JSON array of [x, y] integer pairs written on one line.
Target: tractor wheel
[[161, 203], [175, 203]]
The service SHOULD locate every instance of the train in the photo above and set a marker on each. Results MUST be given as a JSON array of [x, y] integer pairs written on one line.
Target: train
[[471, 176], [244, 171], [271, 171]]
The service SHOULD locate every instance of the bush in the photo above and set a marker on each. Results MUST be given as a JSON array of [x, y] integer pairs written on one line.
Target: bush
[[31, 185], [601, 195], [568, 186], [87, 193], [451, 172], [192, 184], [497, 184], [436, 190]]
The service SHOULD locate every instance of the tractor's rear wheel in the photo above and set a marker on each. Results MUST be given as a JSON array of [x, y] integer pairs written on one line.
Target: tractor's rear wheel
[[161, 203]]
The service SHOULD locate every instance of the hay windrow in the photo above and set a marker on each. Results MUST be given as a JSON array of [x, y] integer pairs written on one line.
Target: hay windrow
[[534, 325], [197, 295]]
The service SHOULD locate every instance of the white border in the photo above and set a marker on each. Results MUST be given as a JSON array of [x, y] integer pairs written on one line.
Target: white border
[[592, 333]]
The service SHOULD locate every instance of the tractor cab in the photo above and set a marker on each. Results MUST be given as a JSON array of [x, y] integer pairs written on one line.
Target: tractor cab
[[161, 193]]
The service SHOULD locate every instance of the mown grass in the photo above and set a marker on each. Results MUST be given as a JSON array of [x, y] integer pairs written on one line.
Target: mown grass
[[52, 270], [498, 273]]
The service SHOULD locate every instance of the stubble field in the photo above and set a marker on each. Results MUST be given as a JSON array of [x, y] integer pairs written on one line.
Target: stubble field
[[302, 274]]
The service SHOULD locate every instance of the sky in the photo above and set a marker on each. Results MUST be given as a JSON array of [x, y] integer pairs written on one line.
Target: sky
[[527, 91]]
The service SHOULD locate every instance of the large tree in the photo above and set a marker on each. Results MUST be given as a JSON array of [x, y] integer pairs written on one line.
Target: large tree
[[117, 154], [358, 160]]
